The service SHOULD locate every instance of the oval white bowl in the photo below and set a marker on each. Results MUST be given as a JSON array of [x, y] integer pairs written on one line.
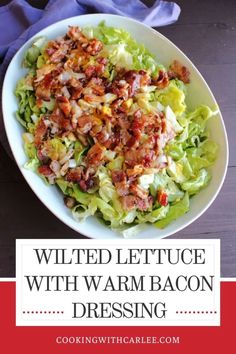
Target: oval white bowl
[[198, 93]]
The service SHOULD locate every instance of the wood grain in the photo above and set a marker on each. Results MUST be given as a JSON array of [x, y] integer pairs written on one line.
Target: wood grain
[[206, 32]]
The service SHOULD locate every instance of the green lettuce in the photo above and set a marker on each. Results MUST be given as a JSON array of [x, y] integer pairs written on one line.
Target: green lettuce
[[176, 211], [32, 54]]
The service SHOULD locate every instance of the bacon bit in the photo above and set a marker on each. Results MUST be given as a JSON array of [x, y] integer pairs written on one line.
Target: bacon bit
[[57, 117], [138, 191], [144, 204], [64, 105], [95, 155], [90, 71], [45, 170], [163, 126], [76, 92], [42, 93], [177, 70], [138, 120], [94, 47], [97, 86], [116, 106], [121, 89], [133, 77], [42, 156], [86, 185], [162, 80], [83, 185], [94, 70], [102, 60], [144, 78], [133, 172], [46, 69], [148, 158], [43, 89], [133, 141], [118, 176], [74, 33], [69, 202], [162, 197], [85, 123], [74, 175], [102, 136], [40, 132], [122, 188], [129, 202], [131, 158], [50, 51]]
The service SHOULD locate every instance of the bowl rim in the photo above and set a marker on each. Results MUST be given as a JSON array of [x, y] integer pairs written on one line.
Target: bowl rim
[[168, 41]]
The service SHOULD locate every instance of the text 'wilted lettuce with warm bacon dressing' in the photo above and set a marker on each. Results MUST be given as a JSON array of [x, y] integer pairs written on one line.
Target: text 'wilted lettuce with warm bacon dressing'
[[110, 127]]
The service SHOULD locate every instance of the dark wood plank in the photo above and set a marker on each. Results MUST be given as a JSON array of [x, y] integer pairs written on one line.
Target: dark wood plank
[[207, 11], [210, 43]]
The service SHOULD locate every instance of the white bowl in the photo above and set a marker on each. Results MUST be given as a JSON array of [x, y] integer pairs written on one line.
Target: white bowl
[[198, 93]]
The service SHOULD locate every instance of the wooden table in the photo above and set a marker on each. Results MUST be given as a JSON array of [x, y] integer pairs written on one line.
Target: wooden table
[[206, 32]]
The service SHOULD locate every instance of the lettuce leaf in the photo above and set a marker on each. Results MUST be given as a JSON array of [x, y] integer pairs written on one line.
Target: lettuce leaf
[[172, 96], [193, 185], [176, 211], [32, 54]]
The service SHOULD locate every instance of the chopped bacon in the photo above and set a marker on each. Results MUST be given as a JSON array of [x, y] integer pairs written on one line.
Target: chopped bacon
[[76, 92], [133, 77], [102, 136], [40, 132], [177, 70], [95, 155], [138, 191], [58, 117], [85, 185], [43, 92], [42, 155], [94, 46], [74, 175], [85, 123], [144, 204], [148, 158], [162, 80], [133, 172], [90, 70], [45, 170], [64, 105], [97, 86], [94, 70], [58, 55], [74, 33], [138, 120], [118, 176], [131, 157], [43, 88], [129, 202], [121, 89], [144, 78], [44, 70], [162, 197], [122, 188]]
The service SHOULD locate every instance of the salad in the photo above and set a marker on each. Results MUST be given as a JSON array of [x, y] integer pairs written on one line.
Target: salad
[[109, 125]]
